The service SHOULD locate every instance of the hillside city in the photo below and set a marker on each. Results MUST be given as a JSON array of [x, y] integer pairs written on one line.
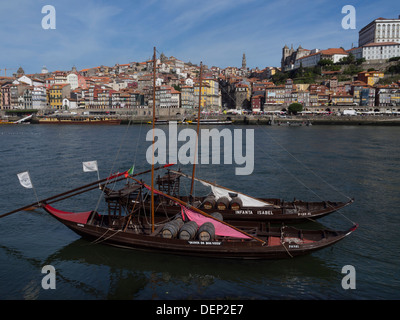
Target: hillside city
[[364, 78]]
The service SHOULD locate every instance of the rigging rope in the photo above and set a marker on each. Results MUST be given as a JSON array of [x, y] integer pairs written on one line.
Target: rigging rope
[[302, 164], [297, 179]]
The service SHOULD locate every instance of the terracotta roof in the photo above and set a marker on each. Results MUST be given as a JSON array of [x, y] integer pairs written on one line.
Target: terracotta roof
[[376, 44], [353, 49], [327, 52], [332, 51]]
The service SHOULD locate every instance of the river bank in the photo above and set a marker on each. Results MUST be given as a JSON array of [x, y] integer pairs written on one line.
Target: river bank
[[288, 120], [298, 120]]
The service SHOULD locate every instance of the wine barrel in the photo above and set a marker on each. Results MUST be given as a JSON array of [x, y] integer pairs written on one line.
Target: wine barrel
[[223, 203], [209, 203], [171, 229], [236, 203], [206, 232], [217, 215], [188, 230]]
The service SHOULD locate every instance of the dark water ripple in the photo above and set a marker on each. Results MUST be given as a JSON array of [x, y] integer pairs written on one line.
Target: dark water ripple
[[304, 162]]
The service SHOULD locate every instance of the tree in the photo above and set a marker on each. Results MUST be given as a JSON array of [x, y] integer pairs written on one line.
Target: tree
[[325, 62], [280, 77], [177, 87], [295, 108]]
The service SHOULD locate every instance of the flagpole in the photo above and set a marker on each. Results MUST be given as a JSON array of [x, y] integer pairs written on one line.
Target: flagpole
[[98, 177], [90, 166], [33, 188]]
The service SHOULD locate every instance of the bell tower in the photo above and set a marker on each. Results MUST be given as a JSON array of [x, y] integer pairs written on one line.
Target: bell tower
[[244, 62]]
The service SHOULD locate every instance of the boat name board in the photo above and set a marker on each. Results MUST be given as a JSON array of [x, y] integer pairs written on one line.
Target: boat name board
[[266, 212], [212, 243], [304, 213]]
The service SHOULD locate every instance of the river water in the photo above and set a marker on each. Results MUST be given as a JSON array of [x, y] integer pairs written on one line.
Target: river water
[[309, 163]]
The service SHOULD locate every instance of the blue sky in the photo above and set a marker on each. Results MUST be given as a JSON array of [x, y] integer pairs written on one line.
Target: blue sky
[[90, 33]]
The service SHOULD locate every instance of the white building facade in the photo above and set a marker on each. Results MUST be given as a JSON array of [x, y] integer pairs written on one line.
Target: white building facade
[[380, 30], [311, 60], [72, 79], [377, 51], [39, 97]]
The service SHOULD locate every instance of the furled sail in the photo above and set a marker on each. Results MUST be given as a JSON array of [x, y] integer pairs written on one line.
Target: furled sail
[[221, 229], [220, 191], [247, 201]]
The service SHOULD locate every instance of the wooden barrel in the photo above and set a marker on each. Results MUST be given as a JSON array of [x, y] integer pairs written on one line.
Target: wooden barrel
[[188, 230], [236, 203], [209, 203], [171, 229], [206, 232], [217, 215], [223, 203]]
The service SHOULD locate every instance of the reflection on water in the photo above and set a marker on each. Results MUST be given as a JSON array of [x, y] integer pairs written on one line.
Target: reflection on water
[[149, 276]]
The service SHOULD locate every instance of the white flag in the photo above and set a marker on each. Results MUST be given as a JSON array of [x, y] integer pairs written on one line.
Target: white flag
[[25, 179], [90, 166]]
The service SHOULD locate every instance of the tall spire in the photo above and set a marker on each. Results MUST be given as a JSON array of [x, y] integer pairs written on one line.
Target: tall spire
[[244, 62]]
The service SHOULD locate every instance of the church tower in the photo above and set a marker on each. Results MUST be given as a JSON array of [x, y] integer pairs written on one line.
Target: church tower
[[244, 62], [285, 54]]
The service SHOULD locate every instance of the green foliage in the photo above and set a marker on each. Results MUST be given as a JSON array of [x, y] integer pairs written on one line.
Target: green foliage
[[360, 61], [394, 59], [295, 108], [22, 111], [350, 59], [280, 77], [352, 69], [325, 62], [300, 75], [332, 68], [389, 80], [394, 69]]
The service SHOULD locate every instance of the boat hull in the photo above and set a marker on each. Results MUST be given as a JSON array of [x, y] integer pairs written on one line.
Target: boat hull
[[79, 121], [295, 212], [272, 248]]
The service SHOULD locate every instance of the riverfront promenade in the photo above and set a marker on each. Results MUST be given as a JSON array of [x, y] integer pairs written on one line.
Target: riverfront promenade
[[289, 120], [261, 119]]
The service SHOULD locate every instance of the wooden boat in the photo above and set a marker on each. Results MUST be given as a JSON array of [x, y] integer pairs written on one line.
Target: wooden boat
[[212, 122], [166, 122], [131, 227], [6, 122], [78, 120], [219, 240], [236, 209]]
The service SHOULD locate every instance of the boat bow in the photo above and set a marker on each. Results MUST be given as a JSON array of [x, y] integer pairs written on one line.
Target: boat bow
[[78, 217]]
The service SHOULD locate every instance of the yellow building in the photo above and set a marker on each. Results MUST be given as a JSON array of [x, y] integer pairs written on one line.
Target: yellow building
[[56, 93], [210, 95], [370, 77], [342, 99]]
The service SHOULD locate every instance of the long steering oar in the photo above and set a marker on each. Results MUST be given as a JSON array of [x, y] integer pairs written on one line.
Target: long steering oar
[[64, 194]]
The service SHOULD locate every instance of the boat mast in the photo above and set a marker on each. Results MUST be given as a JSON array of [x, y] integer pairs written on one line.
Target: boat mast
[[154, 121], [198, 129]]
